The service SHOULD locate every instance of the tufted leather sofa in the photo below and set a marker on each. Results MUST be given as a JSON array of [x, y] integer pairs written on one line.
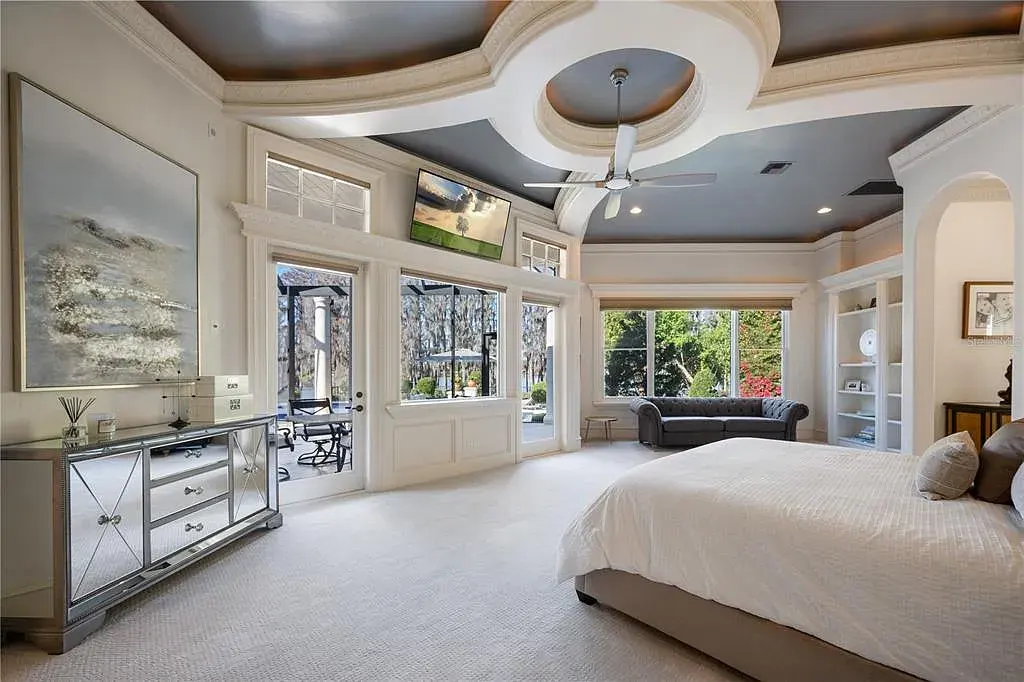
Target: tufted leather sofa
[[670, 422]]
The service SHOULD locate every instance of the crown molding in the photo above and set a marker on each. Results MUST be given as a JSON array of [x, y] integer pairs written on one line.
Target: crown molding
[[988, 189], [600, 140], [438, 80], [149, 35], [864, 274], [704, 248], [944, 135], [917, 61]]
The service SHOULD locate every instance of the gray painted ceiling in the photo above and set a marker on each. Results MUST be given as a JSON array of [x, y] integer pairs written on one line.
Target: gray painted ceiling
[[477, 150], [815, 28], [277, 39], [583, 92], [830, 158]]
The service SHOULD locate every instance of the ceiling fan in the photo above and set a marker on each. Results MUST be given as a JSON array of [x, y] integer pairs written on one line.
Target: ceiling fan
[[619, 179]]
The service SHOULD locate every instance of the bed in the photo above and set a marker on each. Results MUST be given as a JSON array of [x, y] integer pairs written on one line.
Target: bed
[[793, 561]]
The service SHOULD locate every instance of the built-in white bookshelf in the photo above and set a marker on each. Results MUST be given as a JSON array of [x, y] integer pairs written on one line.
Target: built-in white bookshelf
[[866, 390]]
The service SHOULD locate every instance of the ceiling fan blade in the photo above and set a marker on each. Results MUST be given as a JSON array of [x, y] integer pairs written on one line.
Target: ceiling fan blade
[[679, 180], [625, 140], [611, 209], [582, 183]]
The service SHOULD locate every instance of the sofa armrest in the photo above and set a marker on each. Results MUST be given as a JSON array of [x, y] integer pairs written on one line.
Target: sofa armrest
[[789, 411], [648, 420]]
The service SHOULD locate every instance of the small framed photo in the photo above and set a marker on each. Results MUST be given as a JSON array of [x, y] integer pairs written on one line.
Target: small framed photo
[[853, 385], [988, 310]]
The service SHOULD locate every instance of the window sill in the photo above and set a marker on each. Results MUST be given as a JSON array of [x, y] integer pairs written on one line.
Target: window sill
[[426, 409]]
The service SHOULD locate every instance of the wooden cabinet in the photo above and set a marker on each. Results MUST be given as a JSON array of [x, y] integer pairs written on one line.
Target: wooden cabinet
[[88, 527], [978, 419]]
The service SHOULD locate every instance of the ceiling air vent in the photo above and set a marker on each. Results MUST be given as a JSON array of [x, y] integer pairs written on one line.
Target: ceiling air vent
[[776, 168], [876, 188]]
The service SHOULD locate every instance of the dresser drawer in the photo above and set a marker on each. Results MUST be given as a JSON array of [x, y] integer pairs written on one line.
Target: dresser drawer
[[184, 457], [168, 498], [170, 537]]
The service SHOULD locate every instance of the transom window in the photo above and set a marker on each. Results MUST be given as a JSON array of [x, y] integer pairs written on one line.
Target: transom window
[[541, 257], [697, 353], [313, 194]]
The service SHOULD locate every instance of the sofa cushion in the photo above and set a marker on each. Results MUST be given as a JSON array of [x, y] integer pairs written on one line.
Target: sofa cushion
[[733, 407], [689, 424], [753, 424]]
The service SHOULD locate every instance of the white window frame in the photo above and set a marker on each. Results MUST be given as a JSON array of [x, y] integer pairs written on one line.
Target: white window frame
[[499, 370], [340, 162], [599, 384], [304, 172], [570, 246], [560, 265]]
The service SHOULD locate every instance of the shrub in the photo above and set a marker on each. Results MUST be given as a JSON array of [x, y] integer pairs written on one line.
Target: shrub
[[703, 384], [439, 394], [539, 392], [426, 386], [474, 376], [406, 387]]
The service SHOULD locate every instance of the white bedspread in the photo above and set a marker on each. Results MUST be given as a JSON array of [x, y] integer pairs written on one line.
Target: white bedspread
[[831, 541]]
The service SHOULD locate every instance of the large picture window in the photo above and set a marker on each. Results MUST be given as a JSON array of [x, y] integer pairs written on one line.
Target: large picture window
[[449, 339], [698, 353]]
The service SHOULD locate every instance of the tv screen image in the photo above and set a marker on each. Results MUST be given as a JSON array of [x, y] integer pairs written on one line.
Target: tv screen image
[[458, 217]]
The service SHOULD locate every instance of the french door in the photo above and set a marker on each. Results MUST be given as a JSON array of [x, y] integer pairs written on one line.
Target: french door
[[320, 379], [538, 379]]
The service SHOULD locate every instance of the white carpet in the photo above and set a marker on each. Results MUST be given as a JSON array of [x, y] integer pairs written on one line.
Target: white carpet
[[447, 581]]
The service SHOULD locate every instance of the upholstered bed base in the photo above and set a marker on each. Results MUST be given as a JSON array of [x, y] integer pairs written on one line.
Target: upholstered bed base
[[760, 648]]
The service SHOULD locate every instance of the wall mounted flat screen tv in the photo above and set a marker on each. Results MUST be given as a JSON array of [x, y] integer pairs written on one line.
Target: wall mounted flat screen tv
[[458, 217]]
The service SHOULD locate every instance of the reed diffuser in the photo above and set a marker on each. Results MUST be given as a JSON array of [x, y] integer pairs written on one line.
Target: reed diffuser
[[74, 434]]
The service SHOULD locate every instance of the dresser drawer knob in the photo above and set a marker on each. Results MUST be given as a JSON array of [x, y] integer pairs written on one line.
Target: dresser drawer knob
[[196, 527], [251, 469], [193, 452], [112, 520], [197, 491]]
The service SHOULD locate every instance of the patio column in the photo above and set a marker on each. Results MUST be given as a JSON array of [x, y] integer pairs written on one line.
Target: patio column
[[322, 347]]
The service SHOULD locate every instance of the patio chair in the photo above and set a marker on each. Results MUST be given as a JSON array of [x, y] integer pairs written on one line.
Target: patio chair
[[315, 433]]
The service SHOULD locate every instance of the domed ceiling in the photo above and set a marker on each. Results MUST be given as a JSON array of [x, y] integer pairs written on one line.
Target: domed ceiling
[[583, 93]]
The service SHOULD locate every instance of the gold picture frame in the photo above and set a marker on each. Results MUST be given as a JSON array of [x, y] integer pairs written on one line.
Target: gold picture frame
[[987, 310]]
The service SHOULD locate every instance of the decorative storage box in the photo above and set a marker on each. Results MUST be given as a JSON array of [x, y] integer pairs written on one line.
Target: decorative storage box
[[221, 408], [222, 385]]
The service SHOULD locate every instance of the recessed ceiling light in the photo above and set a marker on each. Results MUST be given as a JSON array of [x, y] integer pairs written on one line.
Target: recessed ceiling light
[[635, 210], [824, 209]]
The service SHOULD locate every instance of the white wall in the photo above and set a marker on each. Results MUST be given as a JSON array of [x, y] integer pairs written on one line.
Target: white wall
[[974, 242], [703, 264], [69, 50]]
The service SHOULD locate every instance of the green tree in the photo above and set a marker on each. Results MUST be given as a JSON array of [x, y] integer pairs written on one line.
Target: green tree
[[539, 393], [760, 349], [703, 384], [625, 343]]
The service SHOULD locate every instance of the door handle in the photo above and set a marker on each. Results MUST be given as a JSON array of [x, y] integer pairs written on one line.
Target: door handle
[[358, 408], [359, 394]]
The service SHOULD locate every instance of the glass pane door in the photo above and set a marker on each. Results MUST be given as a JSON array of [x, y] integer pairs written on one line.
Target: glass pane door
[[538, 379], [320, 403]]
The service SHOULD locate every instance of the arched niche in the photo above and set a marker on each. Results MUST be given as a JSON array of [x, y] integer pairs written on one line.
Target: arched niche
[[983, 146]]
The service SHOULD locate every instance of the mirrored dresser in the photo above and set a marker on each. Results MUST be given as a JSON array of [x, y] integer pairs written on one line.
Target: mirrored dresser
[[86, 528]]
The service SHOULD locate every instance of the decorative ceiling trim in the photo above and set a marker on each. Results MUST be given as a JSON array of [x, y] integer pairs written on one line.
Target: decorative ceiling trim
[[584, 139], [153, 38], [919, 60], [438, 80], [944, 135], [987, 189]]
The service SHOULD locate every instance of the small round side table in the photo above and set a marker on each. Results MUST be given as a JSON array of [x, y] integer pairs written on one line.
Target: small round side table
[[607, 421]]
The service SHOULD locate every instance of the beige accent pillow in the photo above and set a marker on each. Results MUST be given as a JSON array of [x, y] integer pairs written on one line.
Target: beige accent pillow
[[946, 469]]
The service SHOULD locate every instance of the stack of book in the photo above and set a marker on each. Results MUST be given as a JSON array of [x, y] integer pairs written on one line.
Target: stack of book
[[865, 435]]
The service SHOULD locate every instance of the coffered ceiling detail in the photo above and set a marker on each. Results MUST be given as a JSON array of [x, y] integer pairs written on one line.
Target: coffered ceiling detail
[[755, 64]]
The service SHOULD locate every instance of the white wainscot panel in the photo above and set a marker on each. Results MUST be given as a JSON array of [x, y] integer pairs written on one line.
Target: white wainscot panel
[[486, 436], [424, 444]]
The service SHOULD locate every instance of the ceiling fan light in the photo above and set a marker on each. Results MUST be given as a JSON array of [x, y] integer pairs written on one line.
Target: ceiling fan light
[[636, 210], [824, 209]]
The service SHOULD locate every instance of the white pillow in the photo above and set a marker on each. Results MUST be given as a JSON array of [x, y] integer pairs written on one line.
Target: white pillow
[[1017, 491], [947, 468]]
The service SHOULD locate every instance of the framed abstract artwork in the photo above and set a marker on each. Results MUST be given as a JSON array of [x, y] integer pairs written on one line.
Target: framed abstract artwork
[[105, 248], [988, 310]]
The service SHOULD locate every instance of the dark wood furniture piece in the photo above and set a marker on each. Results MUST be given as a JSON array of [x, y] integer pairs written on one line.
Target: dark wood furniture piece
[[85, 528], [979, 419]]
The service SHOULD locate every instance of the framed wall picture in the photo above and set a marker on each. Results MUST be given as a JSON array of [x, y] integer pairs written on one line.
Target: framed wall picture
[[988, 310], [105, 249]]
